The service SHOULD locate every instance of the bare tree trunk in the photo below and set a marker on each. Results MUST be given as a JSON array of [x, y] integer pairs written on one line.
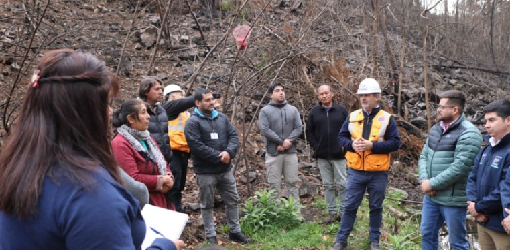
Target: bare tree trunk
[[446, 14], [159, 35], [457, 31], [5, 117], [402, 59], [491, 34], [374, 36], [425, 73]]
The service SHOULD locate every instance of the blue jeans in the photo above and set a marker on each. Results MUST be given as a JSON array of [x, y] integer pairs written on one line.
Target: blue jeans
[[432, 217], [358, 182]]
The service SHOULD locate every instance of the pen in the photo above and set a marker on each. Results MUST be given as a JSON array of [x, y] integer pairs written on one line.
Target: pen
[[156, 231]]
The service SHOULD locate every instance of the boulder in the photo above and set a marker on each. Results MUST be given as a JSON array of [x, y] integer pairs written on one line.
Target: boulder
[[148, 37]]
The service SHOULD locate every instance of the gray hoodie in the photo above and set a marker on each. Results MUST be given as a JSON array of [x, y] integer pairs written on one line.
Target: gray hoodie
[[278, 122]]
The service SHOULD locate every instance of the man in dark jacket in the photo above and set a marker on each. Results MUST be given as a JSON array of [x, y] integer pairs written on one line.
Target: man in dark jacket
[[444, 166], [151, 91], [213, 142], [489, 171], [322, 129], [369, 136]]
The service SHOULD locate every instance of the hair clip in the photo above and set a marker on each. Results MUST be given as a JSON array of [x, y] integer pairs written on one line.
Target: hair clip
[[35, 79]]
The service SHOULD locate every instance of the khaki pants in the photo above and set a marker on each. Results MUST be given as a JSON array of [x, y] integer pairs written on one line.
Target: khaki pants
[[288, 166], [492, 240]]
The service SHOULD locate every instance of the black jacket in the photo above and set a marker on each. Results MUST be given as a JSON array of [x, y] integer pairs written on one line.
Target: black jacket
[[204, 148], [160, 115], [322, 130]]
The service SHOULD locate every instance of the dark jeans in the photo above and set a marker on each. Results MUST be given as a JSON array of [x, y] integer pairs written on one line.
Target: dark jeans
[[178, 166], [358, 182], [226, 185]]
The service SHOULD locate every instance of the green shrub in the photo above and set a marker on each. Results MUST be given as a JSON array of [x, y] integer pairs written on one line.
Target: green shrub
[[263, 213]]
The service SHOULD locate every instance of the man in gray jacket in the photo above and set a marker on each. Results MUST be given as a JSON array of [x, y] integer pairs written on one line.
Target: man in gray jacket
[[280, 123]]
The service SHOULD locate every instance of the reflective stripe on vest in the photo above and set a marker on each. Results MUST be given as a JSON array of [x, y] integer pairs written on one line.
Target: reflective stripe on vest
[[176, 131], [367, 161]]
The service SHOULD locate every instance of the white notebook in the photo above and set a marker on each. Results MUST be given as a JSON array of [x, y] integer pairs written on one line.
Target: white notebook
[[161, 222]]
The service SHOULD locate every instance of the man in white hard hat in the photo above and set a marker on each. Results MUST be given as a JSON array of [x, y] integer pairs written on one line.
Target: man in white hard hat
[[369, 135], [179, 147]]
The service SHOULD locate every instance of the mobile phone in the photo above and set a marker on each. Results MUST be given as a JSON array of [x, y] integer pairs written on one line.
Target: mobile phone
[[216, 95]]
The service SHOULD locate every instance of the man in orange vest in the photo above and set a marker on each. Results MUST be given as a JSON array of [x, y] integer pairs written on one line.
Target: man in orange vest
[[369, 135], [179, 147]]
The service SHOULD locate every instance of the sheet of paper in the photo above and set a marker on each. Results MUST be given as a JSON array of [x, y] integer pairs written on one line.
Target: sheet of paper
[[167, 222]]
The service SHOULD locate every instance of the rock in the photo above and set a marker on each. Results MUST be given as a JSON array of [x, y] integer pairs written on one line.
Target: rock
[[452, 82], [15, 66], [421, 106], [306, 165], [412, 178], [419, 122], [138, 46], [194, 206], [403, 194], [155, 20], [148, 37], [200, 221], [87, 7], [307, 188], [198, 41], [397, 166], [252, 177], [184, 39], [204, 27]]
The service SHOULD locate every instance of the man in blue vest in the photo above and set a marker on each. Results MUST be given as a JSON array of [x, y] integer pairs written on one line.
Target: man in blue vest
[[488, 173], [444, 166], [369, 135]]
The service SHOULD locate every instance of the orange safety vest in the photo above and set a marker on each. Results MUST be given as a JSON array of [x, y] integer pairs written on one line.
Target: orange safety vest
[[176, 130], [367, 161]]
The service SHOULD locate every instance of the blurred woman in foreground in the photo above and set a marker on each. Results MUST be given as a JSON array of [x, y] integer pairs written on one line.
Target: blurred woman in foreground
[[59, 182]]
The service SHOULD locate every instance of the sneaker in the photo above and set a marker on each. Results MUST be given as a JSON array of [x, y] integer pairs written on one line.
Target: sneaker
[[339, 246], [374, 246], [239, 237], [212, 240], [330, 218]]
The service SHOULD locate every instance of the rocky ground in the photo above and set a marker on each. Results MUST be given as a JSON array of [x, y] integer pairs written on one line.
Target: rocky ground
[[301, 43]]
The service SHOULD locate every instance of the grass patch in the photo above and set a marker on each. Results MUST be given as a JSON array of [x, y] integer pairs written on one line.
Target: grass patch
[[280, 229]]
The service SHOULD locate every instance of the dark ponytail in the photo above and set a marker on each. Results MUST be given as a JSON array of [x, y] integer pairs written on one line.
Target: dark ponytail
[[131, 108]]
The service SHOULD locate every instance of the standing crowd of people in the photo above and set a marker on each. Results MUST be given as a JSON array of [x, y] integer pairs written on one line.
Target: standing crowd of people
[[68, 184]]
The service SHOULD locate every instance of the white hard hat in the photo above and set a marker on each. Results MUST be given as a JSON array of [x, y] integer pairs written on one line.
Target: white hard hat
[[172, 88], [369, 86]]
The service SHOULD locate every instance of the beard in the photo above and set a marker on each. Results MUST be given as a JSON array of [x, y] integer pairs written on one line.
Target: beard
[[445, 118]]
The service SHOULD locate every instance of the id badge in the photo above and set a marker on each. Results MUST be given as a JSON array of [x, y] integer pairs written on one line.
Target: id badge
[[214, 136]]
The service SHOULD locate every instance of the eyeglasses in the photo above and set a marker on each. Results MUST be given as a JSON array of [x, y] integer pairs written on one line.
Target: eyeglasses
[[439, 106]]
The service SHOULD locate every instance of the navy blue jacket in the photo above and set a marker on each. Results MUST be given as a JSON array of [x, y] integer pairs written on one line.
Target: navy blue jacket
[[505, 193], [322, 130], [98, 215], [483, 187], [205, 150], [392, 138]]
